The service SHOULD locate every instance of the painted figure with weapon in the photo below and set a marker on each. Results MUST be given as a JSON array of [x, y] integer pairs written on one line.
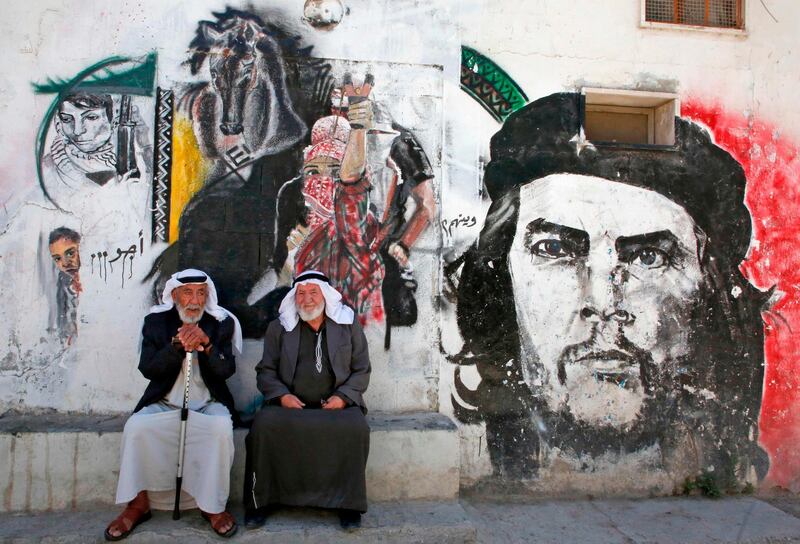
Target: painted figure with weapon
[[186, 413]]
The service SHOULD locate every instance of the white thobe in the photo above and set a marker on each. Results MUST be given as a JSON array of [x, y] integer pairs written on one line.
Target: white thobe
[[199, 395], [149, 453]]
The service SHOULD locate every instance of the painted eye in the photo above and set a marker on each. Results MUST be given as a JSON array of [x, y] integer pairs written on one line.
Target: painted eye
[[550, 249], [92, 117], [311, 172], [650, 257], [65, 118]]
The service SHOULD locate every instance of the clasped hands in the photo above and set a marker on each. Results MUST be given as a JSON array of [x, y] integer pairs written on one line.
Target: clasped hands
[[334, 402], [192, 338]]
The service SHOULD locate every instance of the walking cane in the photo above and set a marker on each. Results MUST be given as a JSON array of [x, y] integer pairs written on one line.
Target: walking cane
[[176, 512]]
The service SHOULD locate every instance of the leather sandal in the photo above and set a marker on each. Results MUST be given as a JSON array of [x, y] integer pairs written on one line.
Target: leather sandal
[[218, 520], [131, 517]]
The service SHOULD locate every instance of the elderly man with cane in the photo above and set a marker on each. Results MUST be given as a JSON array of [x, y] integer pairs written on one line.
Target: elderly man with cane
[[188, 348]]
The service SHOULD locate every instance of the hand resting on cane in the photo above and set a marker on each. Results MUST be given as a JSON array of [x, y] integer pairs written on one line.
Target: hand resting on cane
[[192, 338]]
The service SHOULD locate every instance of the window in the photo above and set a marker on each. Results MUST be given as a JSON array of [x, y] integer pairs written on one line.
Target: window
[[703, 13], [621, 117]]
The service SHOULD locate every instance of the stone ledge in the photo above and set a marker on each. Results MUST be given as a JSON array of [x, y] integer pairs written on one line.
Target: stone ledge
[[61, 423], [54, 462], [110, 423], [443, 523]]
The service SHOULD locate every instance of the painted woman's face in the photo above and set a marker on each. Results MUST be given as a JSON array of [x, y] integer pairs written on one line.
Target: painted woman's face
[[321, 166], [605, 277], [88, 129], [66, 255], [320, 176]]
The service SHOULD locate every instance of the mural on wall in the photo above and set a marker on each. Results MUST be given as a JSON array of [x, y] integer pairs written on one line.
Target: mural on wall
[[64, 245], [123, 258], [342, 239], [323, 14], [245, 193], [93, 159], [137, 180], [162, 165], [236, 137], [609, 304], [346, 214], [245, 104], [770, 162], [93, 133], [489, 84], [603, 305]]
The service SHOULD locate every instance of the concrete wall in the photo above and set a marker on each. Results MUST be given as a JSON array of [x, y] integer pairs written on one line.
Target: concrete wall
[[586, 360], [58, 462]]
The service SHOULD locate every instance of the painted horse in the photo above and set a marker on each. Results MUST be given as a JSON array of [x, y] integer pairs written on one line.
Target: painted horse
[[246, 101], [248, 121]]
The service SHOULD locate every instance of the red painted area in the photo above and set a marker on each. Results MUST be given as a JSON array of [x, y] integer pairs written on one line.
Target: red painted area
[[772, 165]]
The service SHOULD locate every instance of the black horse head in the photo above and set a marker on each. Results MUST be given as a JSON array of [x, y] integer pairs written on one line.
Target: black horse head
[[245, 60], [233, 49]]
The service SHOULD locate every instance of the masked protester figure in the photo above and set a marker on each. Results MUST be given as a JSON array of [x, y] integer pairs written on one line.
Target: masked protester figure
[[189, 319], [346, 248], [308, 445]]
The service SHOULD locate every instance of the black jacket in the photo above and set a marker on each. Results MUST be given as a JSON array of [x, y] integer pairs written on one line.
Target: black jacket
[[349, 355], [161, 362]]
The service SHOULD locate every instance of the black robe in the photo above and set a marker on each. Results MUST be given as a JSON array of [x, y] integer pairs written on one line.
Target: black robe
[[310, 457]]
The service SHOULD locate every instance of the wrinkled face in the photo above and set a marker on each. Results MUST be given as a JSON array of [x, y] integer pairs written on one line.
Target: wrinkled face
[[309, 300], [88, 129], [66, 255], [190, 300], [605, 277]]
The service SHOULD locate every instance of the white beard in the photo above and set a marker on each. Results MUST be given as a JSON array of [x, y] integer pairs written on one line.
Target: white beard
[[313, 314], [189, 320]]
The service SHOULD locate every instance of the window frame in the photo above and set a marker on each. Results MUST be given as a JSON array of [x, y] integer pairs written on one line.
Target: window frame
[[648, 113], [644, 23], [664, 107]]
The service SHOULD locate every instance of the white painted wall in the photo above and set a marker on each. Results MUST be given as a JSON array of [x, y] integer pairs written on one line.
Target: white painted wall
[[545, 45]]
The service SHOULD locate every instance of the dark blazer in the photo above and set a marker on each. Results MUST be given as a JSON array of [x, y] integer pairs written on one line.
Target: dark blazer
[[347, 349], [161, 362]]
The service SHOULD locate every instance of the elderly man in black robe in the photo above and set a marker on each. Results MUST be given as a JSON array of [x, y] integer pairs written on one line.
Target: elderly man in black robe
[[309, 443], [188, 320]]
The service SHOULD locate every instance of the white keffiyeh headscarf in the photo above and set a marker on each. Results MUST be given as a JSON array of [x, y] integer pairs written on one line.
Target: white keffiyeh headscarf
[[194, 276], [334, 308]]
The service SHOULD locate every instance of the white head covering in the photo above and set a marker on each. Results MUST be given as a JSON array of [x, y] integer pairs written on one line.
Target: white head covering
[[334, 308], [191, 275]]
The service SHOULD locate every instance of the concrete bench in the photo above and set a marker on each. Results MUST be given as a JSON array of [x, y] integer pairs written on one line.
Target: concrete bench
[[71, 462]]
